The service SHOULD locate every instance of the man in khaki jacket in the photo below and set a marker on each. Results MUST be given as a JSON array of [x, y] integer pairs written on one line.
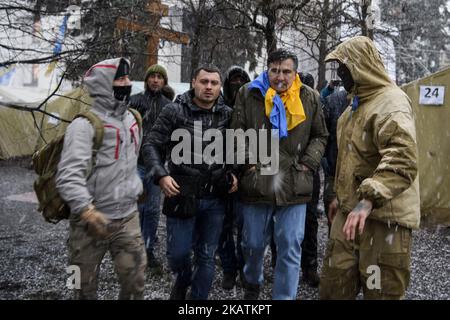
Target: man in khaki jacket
[[376, 182]]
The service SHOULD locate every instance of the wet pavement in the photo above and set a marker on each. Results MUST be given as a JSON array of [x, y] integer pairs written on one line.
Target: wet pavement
[[34, 257]]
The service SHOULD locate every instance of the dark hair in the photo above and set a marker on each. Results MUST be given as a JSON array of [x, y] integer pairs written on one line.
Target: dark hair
[[281, 55], [207, 68], [307, 78]]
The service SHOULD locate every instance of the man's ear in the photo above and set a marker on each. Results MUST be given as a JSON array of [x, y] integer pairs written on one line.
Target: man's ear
[[192, 82]]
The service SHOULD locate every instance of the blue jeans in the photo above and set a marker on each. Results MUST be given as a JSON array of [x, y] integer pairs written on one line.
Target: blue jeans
[[200, 233], [149, 210], [288, 225], [229, 251]]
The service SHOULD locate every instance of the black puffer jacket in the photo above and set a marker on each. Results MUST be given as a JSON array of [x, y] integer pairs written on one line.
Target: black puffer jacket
[[149, 104], [181, 114]]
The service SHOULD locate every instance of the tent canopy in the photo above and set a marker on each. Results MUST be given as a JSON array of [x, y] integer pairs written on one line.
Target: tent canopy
[[19, 134], [430, 99]]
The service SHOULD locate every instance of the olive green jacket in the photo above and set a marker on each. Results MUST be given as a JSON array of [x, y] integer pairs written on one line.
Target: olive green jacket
[[305, 144]]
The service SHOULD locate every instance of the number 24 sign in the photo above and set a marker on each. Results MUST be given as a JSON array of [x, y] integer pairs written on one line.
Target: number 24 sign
[[433, 95]]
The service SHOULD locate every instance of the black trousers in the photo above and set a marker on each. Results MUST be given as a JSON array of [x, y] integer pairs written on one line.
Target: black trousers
[[309, 244]]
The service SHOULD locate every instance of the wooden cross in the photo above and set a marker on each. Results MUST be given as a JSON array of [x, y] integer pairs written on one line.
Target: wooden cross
[[154, 31]]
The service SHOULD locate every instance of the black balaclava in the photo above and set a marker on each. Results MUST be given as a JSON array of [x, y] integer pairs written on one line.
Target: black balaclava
[[122, 93], [230, 90], [347, 80], [234, 88]]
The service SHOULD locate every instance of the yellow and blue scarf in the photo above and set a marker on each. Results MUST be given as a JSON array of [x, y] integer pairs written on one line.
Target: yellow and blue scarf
[[284, 111]]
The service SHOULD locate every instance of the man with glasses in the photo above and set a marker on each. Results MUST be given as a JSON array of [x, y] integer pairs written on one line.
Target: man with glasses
[[276, 203]]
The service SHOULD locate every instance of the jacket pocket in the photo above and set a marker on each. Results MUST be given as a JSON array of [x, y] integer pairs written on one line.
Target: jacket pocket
[[302, 180], [183, 207], [395, 273], [252, 184]]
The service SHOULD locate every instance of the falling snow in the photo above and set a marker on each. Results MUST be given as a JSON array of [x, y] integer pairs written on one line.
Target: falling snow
[[389, 238]]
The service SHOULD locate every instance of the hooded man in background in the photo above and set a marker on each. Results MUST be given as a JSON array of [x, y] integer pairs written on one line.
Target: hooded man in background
[[230, 253]]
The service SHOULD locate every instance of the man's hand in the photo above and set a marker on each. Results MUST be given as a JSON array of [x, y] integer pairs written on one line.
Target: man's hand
[[357, 219], [332, 210], [169, 186], [304, 167], [234, 186], [252, 168], [96, 221]]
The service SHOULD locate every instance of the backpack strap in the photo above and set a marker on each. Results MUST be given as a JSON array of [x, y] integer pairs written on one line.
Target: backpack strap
[[138, 118], [99, 131]]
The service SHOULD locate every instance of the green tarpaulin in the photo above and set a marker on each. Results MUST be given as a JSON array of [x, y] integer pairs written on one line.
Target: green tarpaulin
[[64, 107], [433, 138]]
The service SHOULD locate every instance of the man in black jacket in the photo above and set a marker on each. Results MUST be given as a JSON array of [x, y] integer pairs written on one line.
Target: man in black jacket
[[150, 103], [194, 184]]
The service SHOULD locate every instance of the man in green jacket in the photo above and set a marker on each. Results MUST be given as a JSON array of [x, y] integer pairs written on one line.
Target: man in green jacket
[[376, 182], [277, 100]]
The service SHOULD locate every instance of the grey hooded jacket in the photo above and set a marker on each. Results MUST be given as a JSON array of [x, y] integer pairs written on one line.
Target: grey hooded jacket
[[113, 185]]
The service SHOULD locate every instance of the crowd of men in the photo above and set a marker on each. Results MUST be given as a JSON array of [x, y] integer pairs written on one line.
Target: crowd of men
[[363, 137]]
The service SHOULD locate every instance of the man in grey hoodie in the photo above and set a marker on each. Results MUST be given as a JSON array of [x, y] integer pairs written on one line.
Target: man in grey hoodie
[[102, 196]]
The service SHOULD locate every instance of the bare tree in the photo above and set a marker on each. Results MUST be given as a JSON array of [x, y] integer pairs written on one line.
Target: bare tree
[[97, 39], [267, 16], [421, 47], [318, 30], [218, 36], [39, 32]]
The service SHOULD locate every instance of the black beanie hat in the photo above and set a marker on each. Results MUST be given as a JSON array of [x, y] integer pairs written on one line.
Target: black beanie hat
[[123, 69]]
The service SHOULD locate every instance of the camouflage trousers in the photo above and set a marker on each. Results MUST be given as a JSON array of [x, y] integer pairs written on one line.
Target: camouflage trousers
[[127, 250], [378, 261]]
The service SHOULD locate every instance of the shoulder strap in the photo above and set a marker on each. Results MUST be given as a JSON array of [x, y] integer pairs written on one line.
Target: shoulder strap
[[99, 131], [138, 117]]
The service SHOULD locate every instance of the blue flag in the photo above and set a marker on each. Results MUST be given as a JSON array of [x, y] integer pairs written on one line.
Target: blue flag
[[277, 116], [6, 75], [58, 44]]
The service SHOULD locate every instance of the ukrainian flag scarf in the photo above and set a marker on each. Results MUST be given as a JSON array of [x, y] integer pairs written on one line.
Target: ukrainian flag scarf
[[285, 111]]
